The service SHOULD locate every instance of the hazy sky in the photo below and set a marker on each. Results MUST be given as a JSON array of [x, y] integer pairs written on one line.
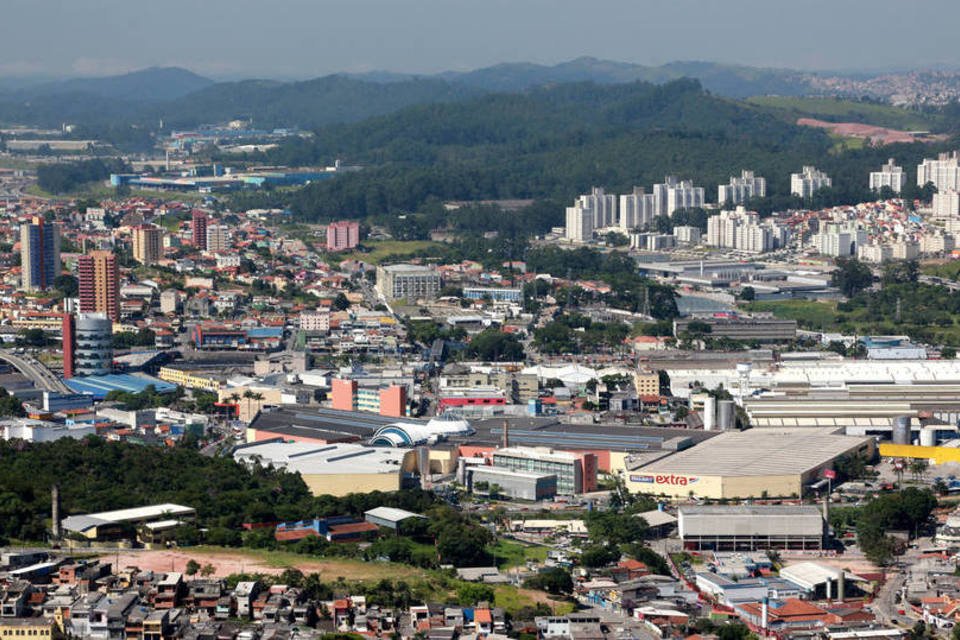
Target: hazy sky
[[306, 38]]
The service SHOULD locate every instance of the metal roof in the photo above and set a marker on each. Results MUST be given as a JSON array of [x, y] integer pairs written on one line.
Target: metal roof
[[391, 514]]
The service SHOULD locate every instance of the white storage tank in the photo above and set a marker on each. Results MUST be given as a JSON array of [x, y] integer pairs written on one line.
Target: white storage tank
[[901, 430], [928, 437], [709, 413], [725, 415]]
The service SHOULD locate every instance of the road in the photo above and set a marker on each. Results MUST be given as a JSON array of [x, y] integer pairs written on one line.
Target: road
[[889, 599], [35, 371], [943, 282]]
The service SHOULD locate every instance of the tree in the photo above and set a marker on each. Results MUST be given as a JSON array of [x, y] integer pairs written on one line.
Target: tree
[[493, 345], [207, 570], [901, 272], [851, 276], [67, 284], [596, 556], [192, 567], [748, 293], [469, 594], [948, 353], [10, 405], [33, 337], [555, 580], [340, 303]]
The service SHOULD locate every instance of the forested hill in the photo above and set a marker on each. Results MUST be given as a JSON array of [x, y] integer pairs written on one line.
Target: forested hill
[[546, 142], [555, 142]]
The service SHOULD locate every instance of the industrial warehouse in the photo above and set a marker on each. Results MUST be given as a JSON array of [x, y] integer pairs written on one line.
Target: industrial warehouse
[[750, 527], [747, 464]]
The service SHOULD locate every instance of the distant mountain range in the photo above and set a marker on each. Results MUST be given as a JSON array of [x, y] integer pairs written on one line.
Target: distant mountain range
[[181, 98]]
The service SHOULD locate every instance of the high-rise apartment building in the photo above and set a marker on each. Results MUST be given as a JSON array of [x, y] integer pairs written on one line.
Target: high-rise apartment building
[[39, 254], [579, 223], [93, 348], [343, 235], [637, 209], [218, 238], [603, 205], [99, 284], [673, 194], [199, 229], [741, 189], [944, 172], [946, 205], [840, 240], [742, 230], [808, 182], [147, 243], [890, 175]]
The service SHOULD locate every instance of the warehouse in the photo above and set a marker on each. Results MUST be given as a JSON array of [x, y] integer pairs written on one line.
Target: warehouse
[[519, 485], [124, 523], [750, 527], [336, 469], [747, 464]]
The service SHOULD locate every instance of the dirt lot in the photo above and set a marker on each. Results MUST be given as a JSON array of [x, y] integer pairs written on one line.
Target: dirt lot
[[226, 562]]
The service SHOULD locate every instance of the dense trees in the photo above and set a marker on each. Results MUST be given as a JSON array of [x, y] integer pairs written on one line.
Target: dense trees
[[908, 510], [572, 333], [64, 177], [851, 276], [493, 345]]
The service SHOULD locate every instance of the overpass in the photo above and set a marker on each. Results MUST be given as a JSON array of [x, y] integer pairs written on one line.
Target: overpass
[[35, 370]]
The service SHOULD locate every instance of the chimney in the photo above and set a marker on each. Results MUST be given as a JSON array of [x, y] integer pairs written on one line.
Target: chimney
[[506, 435], [55, 512], [764, 613], [841, 577]]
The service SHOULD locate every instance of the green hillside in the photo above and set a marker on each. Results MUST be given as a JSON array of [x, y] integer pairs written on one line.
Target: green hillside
[[839, 110]]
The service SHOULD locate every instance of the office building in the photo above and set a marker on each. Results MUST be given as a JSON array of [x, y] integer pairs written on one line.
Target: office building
[[218, 238], [890, 175], [637, 209], [946, 205], [386, 400], [99, 284], [343, 235], [39, 254], [741, 189], [576, 472], [518, 485], [199, 229], [808, 182], [408, 282], [494, 294], [147, 243], [93, 344], [944, 172]]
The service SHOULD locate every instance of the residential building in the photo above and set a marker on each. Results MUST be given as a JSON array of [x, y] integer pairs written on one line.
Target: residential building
[[875, 253], [147, 243], [39, 254], [946, 205], [890, 175], [93, 344], [808, 182], [603, 205], [906, 250], [343, 235], [99, 284], [944, 172], [576, 472], [579, 223], [687, 235], [317, 320], [218, 238], [937, 243], [652, 241], [840, 240], [637, 209], [742, 189], [674, 194], [170, 301], [408, 281], [742, 230], [199, 230]]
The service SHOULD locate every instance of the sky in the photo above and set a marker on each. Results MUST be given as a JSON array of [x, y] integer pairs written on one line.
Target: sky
[[308, 38]]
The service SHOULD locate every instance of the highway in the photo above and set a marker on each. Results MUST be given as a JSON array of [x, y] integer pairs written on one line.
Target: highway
[[36, 371]]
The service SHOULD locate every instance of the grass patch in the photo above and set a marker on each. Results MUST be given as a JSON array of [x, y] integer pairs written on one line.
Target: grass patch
[[101, 191], [380, 250], [509, 553], [947, 270], [838, 110], [843, 143], [513, 599], [809, 314]]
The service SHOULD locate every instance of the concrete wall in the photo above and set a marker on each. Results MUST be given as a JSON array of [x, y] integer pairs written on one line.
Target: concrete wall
[[341, 484]]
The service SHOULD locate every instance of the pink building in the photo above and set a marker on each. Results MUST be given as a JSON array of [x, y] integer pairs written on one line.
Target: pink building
[[343, 235]]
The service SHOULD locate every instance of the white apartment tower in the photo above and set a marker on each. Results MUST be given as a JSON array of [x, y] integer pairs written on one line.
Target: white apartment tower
[[890, 175], [604, 207], [579, 223], [637, 209], [742, 189], [840, 241], [808, 182], [946, 205], [742, 230], [944, 172], [676, 194]]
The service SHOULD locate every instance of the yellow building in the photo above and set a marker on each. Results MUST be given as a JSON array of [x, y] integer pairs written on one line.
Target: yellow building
[[747, 464], [147, 243], [189, 379], [647, 383], [28, 629]]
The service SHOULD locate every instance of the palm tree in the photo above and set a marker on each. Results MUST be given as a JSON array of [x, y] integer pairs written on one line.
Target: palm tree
[[248, 395], [235, 400], [918, 468], [258, 397]]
